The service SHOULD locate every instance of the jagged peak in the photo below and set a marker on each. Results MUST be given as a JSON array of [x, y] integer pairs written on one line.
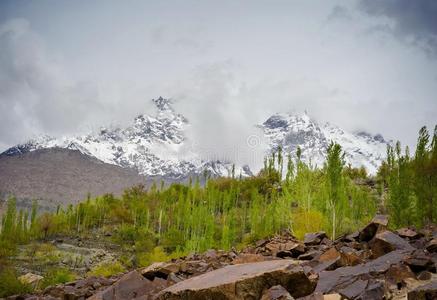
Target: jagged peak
[[163, 104]]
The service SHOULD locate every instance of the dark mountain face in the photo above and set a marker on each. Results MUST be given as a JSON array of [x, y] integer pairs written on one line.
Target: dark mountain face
[[61, 176]]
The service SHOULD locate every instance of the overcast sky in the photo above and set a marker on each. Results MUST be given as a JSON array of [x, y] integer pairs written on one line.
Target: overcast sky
[[71, 66]]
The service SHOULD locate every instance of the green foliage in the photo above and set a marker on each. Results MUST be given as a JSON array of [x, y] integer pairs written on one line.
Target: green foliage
[[57, 276], [107, 269], [411, 182], [10, 285]]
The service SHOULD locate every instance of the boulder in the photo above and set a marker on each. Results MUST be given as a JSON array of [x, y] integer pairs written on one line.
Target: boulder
[[130, 286], [408, 233], [349, 257], [419, 261], [312, 239], [398, 273], [424, 292], [378, 224], [159, 269], [387, 241], [432, 245], [243, 281], [340, 278], [276, 292]]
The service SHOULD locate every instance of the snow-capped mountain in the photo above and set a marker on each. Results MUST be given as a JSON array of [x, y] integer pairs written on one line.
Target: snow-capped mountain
[[292, 130], [153, 145], [158, 145]]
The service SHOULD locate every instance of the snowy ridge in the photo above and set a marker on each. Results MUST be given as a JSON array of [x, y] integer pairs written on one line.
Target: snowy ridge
[[153, 145], [158, 146], [291, 131]]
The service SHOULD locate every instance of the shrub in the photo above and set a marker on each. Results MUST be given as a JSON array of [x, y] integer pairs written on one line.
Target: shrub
[[157, 255], [307, 221], [56, 276], [10, 285], [107, 269]]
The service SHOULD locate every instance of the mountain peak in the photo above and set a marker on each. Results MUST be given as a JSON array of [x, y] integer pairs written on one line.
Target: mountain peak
[[163, 104]]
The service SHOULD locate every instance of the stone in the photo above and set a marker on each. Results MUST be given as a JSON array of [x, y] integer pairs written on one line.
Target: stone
[[386, 242], [276, 292], [378, 224], [424, 292], [309, 255], [407, 233], [354, 289], [424, 275], [349, 257], [243, 281], [330, 281], [330, 254], [250, 258], [398, 273], [312, 239], [160, 269], [129, 286], [432, 245], [420, 262], [31, 279]]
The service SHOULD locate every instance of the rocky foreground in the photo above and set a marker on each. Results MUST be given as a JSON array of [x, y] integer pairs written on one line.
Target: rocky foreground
[[374, 263]]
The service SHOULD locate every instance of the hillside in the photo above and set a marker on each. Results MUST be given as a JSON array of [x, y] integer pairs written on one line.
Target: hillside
[[61, 176]]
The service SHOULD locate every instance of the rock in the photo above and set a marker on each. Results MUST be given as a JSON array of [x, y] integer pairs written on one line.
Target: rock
[[310, 255], [31, 279], [407, 233], [290, 249], [130, 286], [331, 254], [419, 261], [243, 281], [424, 292], [387, 241], [432, 245], [316, 238], [160, 269], [349, 257], [424, 275], [354, 289], [398, 273], [331, 281], [276, 292], [378, 224], [244, 258]]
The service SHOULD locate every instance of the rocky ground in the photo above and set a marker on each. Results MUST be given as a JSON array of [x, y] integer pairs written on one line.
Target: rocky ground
[[374, 263]]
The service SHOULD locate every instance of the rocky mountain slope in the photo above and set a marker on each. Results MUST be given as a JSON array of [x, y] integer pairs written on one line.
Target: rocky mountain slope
[[374, 263], [61, 176], [292, 131]]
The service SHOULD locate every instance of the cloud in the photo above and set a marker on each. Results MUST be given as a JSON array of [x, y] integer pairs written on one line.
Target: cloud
[[35, 94], [414, 22]]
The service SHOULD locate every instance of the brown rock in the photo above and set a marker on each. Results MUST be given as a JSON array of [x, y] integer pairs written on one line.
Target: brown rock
[[276, 292], [244, 258], [160, 269], [310, 255], [331, 254], [130, 286], [244, 281], [349, 257], [316, 238], [387, 241], [432, 245], [378, 224], [407, 233], [331, 281], [424, 292], [424, 275], [397, 274], [419, 261]]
